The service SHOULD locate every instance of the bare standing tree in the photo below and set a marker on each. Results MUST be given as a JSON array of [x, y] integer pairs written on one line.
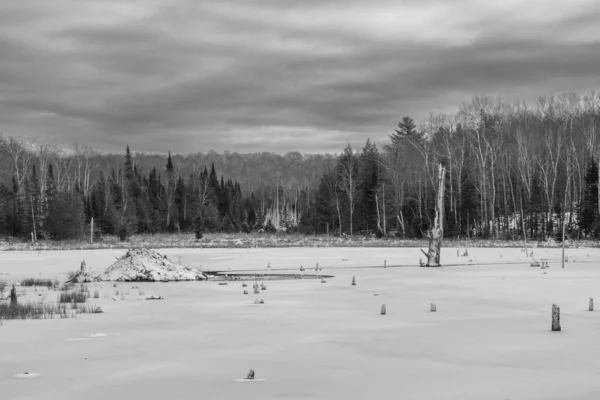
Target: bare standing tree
[[347, 172], [85, 164], [548, 159], [62, 165], [398, 173], [485, 117], [569, 158], [21, 159], [44, 153], [204, 191]]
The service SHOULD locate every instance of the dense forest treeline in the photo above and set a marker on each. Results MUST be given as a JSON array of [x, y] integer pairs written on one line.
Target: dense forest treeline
[[513, 170]]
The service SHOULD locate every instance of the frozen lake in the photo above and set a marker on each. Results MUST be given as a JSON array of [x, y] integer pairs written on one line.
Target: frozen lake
[[489, 339]]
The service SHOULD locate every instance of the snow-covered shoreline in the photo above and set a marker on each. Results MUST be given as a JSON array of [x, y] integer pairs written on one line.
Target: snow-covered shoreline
[[217, 241]]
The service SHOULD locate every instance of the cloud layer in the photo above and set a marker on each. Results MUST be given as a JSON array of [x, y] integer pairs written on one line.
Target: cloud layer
[[275, 75]]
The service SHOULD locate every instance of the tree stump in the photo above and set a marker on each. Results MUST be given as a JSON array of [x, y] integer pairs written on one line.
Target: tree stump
[[383, 310], [432, 307], [353, 280], [591, 304], [555, 318]]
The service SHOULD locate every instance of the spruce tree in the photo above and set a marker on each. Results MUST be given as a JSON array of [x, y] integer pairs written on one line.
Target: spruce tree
[[172, 222], [588, 208], [51, 194], [51, 190], [180, 203], [326, 206], [66, 219], [369, 173], [406, 130], [5, 210]]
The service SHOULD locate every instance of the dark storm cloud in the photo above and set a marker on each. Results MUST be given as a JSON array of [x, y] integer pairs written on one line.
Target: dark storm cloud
[[275, 75]]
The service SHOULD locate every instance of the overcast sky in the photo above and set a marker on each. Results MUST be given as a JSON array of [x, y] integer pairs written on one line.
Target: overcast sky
[[275, 75]]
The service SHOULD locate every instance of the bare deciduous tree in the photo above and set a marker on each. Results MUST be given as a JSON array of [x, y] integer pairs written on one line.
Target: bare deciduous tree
[[348, 182]]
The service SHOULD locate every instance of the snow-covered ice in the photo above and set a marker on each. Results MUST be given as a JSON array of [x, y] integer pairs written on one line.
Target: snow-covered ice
[[489, 339]]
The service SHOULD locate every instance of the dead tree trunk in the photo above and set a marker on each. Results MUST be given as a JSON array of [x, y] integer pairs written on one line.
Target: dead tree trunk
[[436, 233]]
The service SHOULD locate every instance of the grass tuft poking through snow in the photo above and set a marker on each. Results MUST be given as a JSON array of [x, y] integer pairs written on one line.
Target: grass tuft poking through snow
[[70, 302], [49, 283], [33, 310], [39, 310], [79, 295]]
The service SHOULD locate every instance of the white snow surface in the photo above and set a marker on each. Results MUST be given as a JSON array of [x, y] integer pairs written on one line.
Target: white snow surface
[[489, 339]]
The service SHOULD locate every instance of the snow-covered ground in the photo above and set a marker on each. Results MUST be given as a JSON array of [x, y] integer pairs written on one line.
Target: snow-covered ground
[[489, 339]]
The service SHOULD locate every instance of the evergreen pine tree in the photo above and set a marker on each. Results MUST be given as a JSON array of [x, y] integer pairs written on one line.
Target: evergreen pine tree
[[179, 203], [172, 218], [325, 204], [369, 171], [406, 130], [588, 208], [6, 200]]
